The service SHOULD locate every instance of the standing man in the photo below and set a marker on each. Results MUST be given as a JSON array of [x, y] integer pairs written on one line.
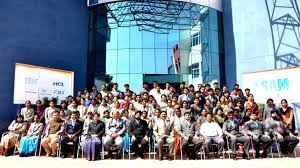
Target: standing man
[[256, 129], [138, 131], [236, 135]]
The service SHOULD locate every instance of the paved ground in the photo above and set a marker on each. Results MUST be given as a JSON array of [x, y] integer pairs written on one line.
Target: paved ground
[[44, 162]]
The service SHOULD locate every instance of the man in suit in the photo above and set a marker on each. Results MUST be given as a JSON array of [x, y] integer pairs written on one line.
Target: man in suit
[[72, 131], [277, 130], [233, 130], [138, 132], [212, 133], [256, 129], [187, 133], [164, 133], [115, 130]]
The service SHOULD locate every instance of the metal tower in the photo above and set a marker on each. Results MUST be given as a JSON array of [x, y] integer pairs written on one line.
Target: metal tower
[[284, 18]]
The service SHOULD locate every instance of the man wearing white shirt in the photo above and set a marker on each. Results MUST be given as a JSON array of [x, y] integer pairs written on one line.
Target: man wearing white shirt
[[104, 91], [186, 96], [212, 133], [157, 93], [115, 91], [138, 103]]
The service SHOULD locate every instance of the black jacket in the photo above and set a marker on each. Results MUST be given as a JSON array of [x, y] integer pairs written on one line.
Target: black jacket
[[138, 129]]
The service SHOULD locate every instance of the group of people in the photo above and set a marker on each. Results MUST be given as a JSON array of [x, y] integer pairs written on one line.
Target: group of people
[[186, 119]]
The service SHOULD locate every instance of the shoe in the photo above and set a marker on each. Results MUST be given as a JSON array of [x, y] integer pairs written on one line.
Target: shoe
[[74, 157], [257, 156], [169, 158], [53, 155], [264, 155], [160, 158], [142, 156], [48, 155], [234, 157], [63, 156], [246, 157]]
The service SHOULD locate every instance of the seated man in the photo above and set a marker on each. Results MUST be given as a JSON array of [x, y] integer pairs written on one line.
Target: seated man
[[138, 131], [212, 133], [54, 129], [72, 131], [276, 129], [236, 135], [187, 133], [256, 129], [115, 130], [164, 133]]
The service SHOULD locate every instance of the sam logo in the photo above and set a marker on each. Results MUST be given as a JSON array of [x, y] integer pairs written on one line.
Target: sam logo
[[58, 84], [276, 84]]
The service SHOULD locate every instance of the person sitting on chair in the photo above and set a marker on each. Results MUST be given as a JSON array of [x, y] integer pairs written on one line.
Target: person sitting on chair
[[276, 129], [53, 130], [187, 133], [115, 130], [236, 135], [9, 140], [212, 133], [93, 141], [138, 131], [164, 133], [256, 129], [72, 131], [29, 143]]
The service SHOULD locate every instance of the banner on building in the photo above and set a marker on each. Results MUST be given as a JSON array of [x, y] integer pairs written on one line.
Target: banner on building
[[275, 84], [34, 83]]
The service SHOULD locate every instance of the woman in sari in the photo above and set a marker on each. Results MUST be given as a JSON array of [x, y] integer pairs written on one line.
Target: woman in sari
[[93, 141], [9, 140], [40, 111], [29, 142]]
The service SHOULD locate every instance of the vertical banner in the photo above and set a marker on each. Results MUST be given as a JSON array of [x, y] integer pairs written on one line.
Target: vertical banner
[[34, 83]]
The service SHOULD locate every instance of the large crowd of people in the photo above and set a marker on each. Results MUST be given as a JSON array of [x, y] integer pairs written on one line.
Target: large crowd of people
[[186, 120]]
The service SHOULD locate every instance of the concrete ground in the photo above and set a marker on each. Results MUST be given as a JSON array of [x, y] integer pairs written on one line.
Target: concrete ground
[[46, 162]]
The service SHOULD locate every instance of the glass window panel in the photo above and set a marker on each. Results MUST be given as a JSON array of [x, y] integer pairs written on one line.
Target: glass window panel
[[135, 37], [136, 82], [136, 61], [123, 61], [111, 61], [161, 61], [123, 37], [148, 61], [214, 42], [213, 20], [121, 80], [161, 40], [113, 43], [173, 38], [148, 39]]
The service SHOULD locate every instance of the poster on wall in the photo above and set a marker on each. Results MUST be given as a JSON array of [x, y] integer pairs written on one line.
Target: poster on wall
[[276, 84], [35, 83]]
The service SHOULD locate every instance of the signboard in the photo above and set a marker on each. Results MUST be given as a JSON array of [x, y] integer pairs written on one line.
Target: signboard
[[275, 84], [34, 83]]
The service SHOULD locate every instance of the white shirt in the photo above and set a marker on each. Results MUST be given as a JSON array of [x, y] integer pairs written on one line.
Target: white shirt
[[92, 108], [210, 129], [28, 114], [101, 109], [82, 111]]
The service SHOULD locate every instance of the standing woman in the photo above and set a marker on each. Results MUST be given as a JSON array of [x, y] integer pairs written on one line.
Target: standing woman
[[29, 142], [82, 109], [64, 107], [27, 112], [49, 110], [16, 129], [287, 115], [40, 111], [93, 142]]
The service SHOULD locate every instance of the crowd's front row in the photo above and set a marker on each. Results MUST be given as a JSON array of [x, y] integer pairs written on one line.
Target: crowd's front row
[[189, 134]]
